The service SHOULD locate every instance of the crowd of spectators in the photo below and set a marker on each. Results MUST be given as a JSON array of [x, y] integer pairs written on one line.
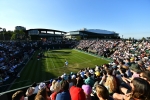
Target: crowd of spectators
[[100, 47], [127, 77], [12, 55], [64, 41], [83, 44]]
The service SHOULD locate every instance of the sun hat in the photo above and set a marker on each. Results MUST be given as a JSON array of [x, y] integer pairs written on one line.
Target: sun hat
[[42, 85], [135, 68], [132, 59], [87, 89], [97, 73], [73, 76], [91, 71], [30, 91], [140, 62]]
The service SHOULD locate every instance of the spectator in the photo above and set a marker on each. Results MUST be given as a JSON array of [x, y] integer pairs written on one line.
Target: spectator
[[43, 93], [148, 68], [52, 86], [89, 80], [102, 92], [39, 97], [140, 91], [76, 91], [57, 88], [135, 69], [141, 65], [64, 94], [111, 84], [87, 90], [19, 95], [145, 75]]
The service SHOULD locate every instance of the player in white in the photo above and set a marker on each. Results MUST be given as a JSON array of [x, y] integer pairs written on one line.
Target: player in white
[[66, 63]]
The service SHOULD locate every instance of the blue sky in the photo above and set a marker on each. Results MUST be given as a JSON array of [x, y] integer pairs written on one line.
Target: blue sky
[[130, 18]]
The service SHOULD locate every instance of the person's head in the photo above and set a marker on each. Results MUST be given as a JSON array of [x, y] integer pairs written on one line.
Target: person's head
[[74, 81], [135, 69], [132, 59], [19, 95], [127, 60], [145, 75], [87, 89], [88, 74], [79, 81], [140, 89], [105, 66], [148, 68], [102, 92], [53, 83], [39, 97], [97, 73], [103, 73], [30, 91], [111, 83], [42, 85], [125, 66], [57, 86], [109, 72], [120, 61], [64, 85], [43, 93], [123, 70], [140, 63]]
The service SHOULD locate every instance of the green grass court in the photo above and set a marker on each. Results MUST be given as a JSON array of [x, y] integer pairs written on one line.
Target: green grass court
[[52, 65]]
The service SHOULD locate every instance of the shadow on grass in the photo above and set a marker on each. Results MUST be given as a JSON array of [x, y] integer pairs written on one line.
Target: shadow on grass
[[52, 57], [63, 52]]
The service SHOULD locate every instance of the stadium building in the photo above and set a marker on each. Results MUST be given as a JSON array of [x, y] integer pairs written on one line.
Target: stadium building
[[47, 34], [93, 34], [20, 28]]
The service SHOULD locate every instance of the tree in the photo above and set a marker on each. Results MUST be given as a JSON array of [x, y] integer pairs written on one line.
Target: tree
[[20, 34], [13, 37], [129, 38], [143, 39], [8, 35]]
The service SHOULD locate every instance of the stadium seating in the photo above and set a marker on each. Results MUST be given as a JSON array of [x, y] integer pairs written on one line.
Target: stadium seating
[[130, 68]]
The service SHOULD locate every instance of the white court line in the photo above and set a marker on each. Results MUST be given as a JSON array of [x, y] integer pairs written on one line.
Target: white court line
[[72, 56], [47, 63], [52, 61], [82, 57], [77, 57], [73, 64]]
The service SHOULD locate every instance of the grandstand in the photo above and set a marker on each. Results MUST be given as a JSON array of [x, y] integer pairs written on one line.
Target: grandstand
[[105, 62], [93, 34], [49, 34]]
